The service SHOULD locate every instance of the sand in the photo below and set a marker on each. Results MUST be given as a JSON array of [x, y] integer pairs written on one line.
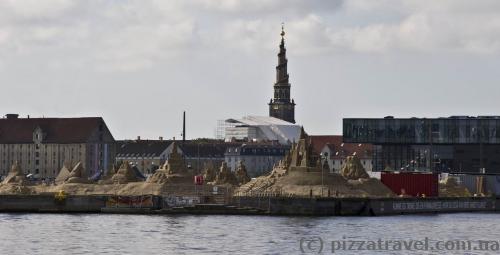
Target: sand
[[450, 188], [301, 184]]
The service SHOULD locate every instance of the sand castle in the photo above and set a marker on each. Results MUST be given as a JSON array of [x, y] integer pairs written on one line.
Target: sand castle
[[15, 175], [77, 175], [63, 174], [241, 173], [107, 176], [449, 187], [15, 182], [173, 171], [209, 172], [225, 176], [301, 173], [353, 170], [125, 174]]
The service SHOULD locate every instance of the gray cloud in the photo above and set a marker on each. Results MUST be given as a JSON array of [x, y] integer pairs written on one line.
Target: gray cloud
[[157, 58]]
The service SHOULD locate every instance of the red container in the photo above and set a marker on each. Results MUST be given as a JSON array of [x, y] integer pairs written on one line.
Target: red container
[[412, 184], [198, 179]]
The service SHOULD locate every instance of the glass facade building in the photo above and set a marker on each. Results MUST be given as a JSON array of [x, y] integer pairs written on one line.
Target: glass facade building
[[454, 144]]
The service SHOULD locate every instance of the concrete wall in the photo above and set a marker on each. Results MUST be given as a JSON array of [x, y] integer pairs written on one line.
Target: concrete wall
[[48, 203], [367, 206]]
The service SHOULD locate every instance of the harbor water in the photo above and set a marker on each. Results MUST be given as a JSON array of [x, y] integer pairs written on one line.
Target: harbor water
[[185, 234]]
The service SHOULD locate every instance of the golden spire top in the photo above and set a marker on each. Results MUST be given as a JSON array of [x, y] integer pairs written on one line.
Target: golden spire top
[[282, 29]]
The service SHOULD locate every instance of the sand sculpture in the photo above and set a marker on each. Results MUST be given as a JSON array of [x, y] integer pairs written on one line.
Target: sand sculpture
[[300, 173], [15, 175], [241, 173], [173, 171], [15, 182], [449, 187], [112, 171], [209, 172], [225, 176], [353, 169], [63, 175], [125, 174], [77, 175]]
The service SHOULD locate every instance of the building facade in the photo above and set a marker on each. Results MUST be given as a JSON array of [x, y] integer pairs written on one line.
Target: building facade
[[199, 153], [261, 129], [281, 106], [146, 155], [458, 144], [259, 158], [43, 145], [335, 151]]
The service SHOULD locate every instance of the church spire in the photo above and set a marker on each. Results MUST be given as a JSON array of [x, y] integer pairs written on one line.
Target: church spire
[[281, 106], [281, 68]]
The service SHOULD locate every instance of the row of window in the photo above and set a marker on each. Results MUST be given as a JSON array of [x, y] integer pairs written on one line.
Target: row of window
[[422, 131]]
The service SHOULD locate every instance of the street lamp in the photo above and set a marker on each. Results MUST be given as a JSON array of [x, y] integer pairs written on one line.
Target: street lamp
[[324, 156]]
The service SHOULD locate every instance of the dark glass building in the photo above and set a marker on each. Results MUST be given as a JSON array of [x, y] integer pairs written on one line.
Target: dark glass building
[[454, 144]]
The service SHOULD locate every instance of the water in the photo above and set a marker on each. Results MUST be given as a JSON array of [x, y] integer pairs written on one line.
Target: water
[[166, 234]]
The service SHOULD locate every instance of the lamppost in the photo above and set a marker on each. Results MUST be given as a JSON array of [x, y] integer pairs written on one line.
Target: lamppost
[[324, 156]]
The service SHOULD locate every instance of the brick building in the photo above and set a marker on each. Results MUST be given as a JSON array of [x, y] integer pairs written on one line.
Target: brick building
[[42, 145]]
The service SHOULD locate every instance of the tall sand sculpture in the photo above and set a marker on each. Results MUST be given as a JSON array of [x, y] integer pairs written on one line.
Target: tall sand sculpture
[[301, 173]]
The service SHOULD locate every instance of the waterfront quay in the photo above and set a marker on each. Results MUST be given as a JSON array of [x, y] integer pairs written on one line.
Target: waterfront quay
[[243, 205]]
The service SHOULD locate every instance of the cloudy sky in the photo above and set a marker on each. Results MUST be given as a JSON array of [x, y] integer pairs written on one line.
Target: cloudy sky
[[140, 63]]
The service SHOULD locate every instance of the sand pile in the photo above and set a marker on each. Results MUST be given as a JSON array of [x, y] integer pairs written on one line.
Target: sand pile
[[131, 189], [300, 173], [371, 187], [449, 187], [125, 174], [353, 169], [16, 189], [15, 176]]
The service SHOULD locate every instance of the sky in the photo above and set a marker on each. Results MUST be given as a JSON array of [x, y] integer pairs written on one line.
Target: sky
[[140, 63]]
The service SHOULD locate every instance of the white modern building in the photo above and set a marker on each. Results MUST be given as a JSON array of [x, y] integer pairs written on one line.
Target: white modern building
[[261, 128]]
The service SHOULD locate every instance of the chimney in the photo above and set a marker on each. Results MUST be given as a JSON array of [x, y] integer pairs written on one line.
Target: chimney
[[184, 127], [161, 138], [12, 116], [138, 138]]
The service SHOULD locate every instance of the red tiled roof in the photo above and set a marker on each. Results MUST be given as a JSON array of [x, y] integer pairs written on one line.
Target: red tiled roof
[[338, 147], [57, 130]]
